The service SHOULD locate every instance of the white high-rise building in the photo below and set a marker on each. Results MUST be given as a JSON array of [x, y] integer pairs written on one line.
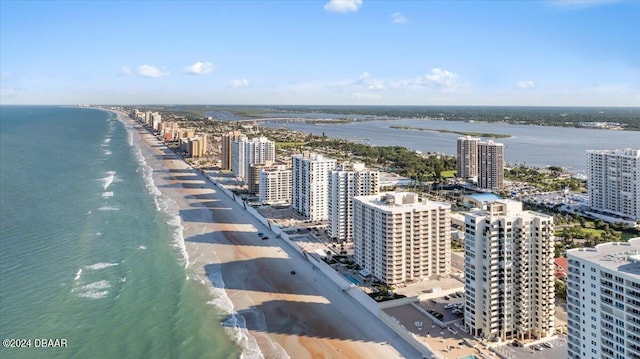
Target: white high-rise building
[[467, 159], [509, 282], [238, 153], [603, 301], [310, 178], [275, 184], [613, 182], [399, 239], [490, 165], [352, 179], [246, 153]]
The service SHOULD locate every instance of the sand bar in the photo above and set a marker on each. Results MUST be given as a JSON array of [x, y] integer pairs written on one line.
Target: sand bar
[[301, 316]]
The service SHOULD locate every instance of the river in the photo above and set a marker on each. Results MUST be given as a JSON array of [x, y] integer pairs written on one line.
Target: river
[[530, 145]]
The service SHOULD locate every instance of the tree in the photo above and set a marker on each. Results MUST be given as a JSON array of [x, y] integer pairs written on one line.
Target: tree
[[561, 289]]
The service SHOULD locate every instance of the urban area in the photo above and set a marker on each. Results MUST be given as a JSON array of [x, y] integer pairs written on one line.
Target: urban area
[[465, 256]]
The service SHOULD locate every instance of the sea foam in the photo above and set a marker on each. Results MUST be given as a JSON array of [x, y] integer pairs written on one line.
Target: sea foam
[[107, 194], [250, 348], [95, 290], [106, 181], [101, 265]]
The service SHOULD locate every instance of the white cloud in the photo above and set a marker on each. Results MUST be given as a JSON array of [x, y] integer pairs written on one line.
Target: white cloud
[[124, 71], [239, 83], [398, 18], [152, 71], [525, 84], [200, 68], [365, 96], [343, 6], [443, 80], [375, 87]]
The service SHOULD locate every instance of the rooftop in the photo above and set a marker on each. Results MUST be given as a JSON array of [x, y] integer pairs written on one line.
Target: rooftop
[[484, 197], [402, 201], [617, 256]]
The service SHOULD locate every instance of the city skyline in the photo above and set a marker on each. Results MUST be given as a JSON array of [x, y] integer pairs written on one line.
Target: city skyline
[[543, 53]]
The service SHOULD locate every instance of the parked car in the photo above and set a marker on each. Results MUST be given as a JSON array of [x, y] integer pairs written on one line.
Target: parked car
[[548, 345]]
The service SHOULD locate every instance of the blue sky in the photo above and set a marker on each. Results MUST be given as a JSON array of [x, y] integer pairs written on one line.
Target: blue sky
[[540, 53]]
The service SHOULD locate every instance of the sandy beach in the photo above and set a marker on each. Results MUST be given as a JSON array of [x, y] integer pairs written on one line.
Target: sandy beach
[[300, 316]]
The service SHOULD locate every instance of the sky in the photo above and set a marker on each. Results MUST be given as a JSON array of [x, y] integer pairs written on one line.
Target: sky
[[338, 52]]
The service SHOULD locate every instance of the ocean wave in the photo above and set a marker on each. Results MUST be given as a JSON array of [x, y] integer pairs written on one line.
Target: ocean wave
[[95, 290], [78, 274], [106, 181], [107, 194], [101, 265], [236, 322], [250, 348], [106, 152], [108, 208], [107, 140], [142, 247]]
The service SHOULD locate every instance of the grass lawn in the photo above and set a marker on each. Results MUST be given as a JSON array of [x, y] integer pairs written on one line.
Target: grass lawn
[[448, 174]]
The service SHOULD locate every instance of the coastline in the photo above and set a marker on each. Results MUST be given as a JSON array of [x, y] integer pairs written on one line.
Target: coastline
[[269, 312]]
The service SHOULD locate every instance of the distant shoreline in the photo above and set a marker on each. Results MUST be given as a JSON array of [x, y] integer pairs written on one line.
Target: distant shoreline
[[464, 133]]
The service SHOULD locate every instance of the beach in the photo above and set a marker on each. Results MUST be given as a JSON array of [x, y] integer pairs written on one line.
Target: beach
[[271, 312]]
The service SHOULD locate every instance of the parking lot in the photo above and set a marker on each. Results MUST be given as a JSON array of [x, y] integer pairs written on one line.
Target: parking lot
[[558, 350], [449, 307]]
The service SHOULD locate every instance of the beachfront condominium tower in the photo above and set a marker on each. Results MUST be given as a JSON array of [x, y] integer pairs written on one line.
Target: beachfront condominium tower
[[310, 179], [227, 149], [348, 181], [256, 151], [603, 301], [613, 182], [400, 239], [275, 184], [467, 158], [490, 165], [196, 147], [509, 283]]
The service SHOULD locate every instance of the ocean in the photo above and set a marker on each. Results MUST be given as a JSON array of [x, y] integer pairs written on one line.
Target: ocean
[[90, 251]]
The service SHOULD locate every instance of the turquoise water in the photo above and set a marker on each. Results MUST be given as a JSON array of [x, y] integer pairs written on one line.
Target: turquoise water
[[352, 279], [85, 253]]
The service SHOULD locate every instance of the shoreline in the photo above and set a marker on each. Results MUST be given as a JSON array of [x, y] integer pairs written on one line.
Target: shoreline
[[301, 316]]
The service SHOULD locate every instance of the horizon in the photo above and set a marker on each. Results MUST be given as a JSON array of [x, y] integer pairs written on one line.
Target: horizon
[[551, 53]]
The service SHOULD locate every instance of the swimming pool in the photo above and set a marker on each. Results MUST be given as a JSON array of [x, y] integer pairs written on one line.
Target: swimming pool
[[352, 279], [469, 357]]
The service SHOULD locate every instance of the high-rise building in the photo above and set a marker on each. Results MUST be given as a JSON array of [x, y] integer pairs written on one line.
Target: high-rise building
[[467, 159], [509, 283], [198, 146], [253, 176], [603, 301], [310, 178], [227, 149], [348, 181], [613, 182], [490, 165], [275, 184], [399, 239], [248, 152]]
